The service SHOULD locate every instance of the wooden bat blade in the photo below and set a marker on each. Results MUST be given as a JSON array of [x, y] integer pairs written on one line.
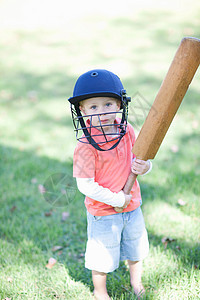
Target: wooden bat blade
[[168, 99], [166, 104]]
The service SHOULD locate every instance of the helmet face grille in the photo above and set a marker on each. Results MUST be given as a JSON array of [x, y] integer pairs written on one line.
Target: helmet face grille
[[98, 135]]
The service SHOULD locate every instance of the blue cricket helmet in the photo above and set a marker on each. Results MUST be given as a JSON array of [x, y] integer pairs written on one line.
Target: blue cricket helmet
[[98, 83]]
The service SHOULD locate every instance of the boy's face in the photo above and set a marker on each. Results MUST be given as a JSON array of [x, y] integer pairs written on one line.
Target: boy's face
[[101, 106]]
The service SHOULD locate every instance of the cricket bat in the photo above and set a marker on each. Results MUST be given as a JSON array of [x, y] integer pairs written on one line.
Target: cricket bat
[[166, 104]]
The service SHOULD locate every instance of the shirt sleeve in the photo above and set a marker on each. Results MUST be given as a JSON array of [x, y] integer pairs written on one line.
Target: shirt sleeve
[[92, 189], [84, 161]]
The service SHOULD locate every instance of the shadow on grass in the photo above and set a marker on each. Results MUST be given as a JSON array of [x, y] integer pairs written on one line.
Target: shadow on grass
[[21, 203], [188, 255]]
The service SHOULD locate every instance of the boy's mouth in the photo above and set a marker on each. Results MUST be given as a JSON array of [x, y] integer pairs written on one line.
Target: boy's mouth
[[104, 121]]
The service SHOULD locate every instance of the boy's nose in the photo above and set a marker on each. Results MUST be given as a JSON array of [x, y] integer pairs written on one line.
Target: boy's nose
[[102, 112]]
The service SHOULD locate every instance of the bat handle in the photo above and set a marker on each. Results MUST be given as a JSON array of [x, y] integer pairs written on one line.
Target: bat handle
[[127, 188]]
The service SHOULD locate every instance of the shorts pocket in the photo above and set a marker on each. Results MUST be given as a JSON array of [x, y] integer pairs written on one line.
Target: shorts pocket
[[97, 218]]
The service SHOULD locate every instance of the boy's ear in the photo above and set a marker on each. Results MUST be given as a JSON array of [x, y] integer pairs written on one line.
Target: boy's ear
[[118, 105], [81, 107]]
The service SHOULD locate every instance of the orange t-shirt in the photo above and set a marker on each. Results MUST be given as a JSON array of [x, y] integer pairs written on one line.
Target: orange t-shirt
[[109, 169]]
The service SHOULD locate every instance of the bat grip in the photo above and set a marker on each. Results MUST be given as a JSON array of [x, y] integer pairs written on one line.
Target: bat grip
[[127, 188]]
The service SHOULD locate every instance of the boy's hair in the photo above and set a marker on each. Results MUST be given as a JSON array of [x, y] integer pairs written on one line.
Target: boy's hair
[[98, 83], [81, 103]]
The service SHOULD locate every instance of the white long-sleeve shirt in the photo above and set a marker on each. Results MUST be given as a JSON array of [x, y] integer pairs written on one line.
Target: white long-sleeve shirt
[[92, 189]]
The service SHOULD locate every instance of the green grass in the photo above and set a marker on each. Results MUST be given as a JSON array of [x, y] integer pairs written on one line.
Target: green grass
[[39, 67]]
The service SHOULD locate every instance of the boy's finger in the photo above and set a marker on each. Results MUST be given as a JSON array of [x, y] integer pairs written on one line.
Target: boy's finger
[[139, 161], [135, 171], [137, 165]]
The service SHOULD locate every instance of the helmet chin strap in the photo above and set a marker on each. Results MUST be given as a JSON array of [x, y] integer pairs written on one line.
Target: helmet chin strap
[[89, 137]]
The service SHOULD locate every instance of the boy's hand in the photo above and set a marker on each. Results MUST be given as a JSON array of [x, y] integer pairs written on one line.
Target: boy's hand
[[126, 203], [127, 200], [140, 167]]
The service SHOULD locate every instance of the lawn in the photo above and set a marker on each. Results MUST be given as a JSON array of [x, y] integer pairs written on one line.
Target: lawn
[[41, 58]]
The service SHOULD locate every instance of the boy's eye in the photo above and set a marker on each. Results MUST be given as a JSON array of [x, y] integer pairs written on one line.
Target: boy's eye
[[108, 104], [93, 107]]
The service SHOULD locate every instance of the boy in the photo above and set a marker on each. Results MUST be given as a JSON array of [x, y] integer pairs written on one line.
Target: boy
[[102, 162]]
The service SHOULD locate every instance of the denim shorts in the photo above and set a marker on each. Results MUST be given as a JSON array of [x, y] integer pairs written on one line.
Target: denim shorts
[[113, 238]]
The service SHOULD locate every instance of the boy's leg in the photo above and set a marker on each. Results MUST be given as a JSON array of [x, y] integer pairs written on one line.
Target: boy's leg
[[99, 282], [135, 268]]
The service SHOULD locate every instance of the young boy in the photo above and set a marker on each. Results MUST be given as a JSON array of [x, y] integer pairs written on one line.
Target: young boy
[[102, 163]]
